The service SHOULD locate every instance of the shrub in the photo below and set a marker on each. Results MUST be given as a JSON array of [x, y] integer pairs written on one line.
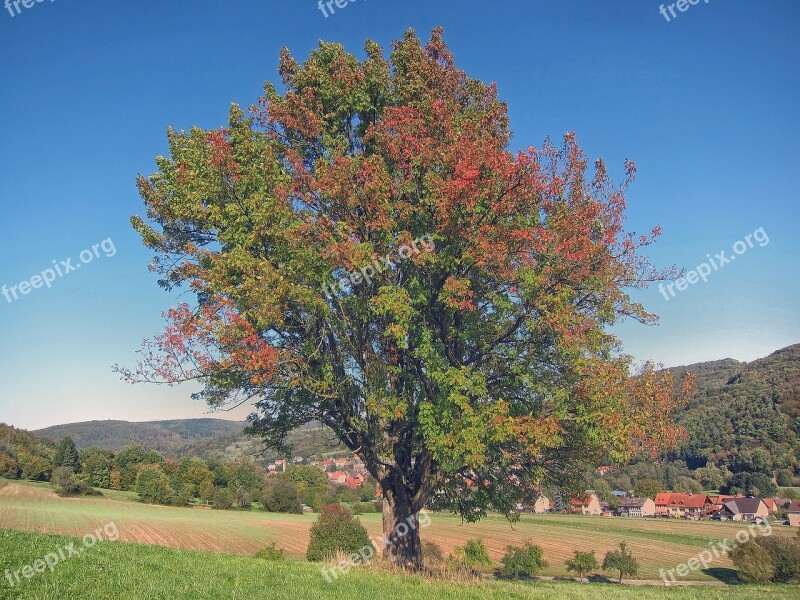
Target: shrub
[[363, 507], [753, 563], [621, 560], [522, 562], [473, 554], [271, 552], [582, 562], [785, 556], [336, 530]]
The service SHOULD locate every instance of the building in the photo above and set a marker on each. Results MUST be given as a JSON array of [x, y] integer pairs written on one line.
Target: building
[[585, 505], [670, 504], [337, 477], [542, 505], [354, 480], [637, 507], [744, 509]]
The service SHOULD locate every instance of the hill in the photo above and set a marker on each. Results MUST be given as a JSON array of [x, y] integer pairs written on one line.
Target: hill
[[207, 438], [167, 437], [745, 416]]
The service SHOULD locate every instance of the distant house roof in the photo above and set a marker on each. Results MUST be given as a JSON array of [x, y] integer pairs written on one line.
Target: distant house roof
[[676, 500], [619, 493], [633, 503], [794, 507], [743, 505], [582, 500]]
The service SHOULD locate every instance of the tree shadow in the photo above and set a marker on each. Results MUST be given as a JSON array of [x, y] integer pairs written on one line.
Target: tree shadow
[[595, 578], [722, 574]]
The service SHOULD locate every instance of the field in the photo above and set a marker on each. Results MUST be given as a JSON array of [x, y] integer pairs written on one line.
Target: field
[[656, 543]]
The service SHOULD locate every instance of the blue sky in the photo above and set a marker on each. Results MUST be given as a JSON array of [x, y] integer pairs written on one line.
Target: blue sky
[[707, 105]]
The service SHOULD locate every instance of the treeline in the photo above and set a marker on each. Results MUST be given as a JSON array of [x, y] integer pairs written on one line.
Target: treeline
[[177, 482]]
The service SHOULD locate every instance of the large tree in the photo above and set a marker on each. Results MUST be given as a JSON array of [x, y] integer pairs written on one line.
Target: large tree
[[367, 252]]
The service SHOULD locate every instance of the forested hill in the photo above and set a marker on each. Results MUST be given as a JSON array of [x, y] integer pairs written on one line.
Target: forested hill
[[167, 437], [745, 416]]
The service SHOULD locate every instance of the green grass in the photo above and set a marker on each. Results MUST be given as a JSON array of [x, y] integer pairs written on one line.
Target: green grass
[[132, 571]]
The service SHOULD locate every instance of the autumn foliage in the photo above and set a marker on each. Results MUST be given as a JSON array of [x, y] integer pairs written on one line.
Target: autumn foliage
[[462, 376]]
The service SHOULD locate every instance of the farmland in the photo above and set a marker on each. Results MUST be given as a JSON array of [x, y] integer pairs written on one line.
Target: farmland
[[657, 543]]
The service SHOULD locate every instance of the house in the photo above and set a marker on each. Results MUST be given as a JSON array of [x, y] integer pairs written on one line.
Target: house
[[542, 505], [604, 470], [337, 477], [585, 505], [718, 501], [793, 508], [744, 509], [776, 504], [354, 480], [670, 504], [794, 519], [637, 507]]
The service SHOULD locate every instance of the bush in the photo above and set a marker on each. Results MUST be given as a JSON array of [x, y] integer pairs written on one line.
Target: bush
[[522, 562], [785, 556], [336, 530], [153, 485], [363, 507], [752, 562], [473, 554], [271, 552]]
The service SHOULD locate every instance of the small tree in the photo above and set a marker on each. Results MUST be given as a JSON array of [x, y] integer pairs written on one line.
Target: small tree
[[336, 530], [753, 563], [582, 562], [621, 560], [523, 562]]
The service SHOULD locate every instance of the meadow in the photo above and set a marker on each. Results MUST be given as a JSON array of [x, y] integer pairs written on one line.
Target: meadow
[[656, 543]]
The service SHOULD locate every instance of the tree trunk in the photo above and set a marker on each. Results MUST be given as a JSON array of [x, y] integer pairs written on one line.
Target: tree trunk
[[401, 540]]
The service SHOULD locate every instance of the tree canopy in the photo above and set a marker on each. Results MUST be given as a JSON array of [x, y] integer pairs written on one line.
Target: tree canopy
[[367, 251]]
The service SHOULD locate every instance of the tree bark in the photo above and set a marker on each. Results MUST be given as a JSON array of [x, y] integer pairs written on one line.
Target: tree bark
[[402, 543]]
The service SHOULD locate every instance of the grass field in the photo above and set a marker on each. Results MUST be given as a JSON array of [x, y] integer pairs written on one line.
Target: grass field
[[656, 543], [137, 572]]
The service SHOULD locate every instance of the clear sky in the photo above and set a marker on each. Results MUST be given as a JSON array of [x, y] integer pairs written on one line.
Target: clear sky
[[707, 104]]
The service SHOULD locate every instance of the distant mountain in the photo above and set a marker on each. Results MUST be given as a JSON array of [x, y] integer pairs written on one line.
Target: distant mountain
[[167, 437], [745, 416], [206, 438]]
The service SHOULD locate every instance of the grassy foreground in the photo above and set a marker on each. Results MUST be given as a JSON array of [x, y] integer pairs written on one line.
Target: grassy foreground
[[133, 571]]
